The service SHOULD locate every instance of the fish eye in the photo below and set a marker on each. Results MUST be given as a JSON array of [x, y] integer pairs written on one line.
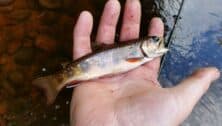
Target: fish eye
[[155, 38]]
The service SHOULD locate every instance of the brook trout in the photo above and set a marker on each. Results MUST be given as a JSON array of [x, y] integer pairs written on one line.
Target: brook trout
[[117, 59]]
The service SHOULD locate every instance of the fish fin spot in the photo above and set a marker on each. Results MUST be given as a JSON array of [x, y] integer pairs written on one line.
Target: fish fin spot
[[133, 60]]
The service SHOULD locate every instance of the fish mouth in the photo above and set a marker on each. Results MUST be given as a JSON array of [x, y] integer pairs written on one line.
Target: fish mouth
[[154, 48]]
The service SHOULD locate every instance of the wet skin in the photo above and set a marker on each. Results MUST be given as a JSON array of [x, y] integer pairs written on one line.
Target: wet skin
[[133, 98]]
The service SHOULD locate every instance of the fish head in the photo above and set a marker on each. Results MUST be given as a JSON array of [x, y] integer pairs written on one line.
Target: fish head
[[154, 46]]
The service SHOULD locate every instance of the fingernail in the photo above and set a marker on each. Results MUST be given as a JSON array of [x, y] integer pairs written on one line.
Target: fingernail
[[113, 6], [84, 14], [85, 18], [133, 4]]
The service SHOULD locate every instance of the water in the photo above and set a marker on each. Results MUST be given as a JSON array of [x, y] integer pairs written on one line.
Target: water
[[196, 43]]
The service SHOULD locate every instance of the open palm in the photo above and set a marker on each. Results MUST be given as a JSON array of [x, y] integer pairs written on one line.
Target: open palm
[[135, 97]]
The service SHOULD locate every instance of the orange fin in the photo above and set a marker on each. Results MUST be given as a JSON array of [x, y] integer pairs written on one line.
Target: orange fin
[[133, 60]]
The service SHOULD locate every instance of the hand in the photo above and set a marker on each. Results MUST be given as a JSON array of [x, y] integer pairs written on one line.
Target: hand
[[133, 98]]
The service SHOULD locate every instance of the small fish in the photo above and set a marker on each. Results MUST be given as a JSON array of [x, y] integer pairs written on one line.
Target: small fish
[[114, 60]]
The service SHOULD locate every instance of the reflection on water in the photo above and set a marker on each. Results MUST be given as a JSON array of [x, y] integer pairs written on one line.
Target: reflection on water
[[196, 43], [35, 36]]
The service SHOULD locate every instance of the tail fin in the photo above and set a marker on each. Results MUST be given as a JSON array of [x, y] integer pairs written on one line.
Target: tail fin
[[50, 85]]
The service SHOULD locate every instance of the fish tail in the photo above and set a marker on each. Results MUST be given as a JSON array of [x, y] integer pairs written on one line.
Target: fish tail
[[50, 85]]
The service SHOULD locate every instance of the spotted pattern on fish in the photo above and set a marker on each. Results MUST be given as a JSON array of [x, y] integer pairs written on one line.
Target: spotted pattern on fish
[[84, 66], [118, 59]]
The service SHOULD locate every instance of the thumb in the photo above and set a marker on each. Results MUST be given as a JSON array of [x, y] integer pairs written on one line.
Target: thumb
[[190, 90]]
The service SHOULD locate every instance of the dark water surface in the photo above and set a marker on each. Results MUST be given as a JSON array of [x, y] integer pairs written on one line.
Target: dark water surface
[[35, 37], [196, 42]]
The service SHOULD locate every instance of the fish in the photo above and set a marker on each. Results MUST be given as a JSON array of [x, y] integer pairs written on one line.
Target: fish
[[118, 58]]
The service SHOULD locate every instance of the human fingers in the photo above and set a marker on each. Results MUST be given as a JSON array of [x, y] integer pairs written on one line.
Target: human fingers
[[81, 35], [131, 20], [189, 91], [108, 22], [156, 28]]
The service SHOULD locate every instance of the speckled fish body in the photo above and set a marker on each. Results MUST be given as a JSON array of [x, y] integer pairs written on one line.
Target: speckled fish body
[[112, 61], [118, 59]]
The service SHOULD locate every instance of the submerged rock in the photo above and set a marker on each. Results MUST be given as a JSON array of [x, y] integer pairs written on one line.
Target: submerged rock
[[49, 18], [3, 108], [51, 4], [3, 44], [3, 59], [20, 14], [6, 9], [16, 77], [13, 47], [5, 2], [8, 88], [2, 122], [46, 43], [24, 56]]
